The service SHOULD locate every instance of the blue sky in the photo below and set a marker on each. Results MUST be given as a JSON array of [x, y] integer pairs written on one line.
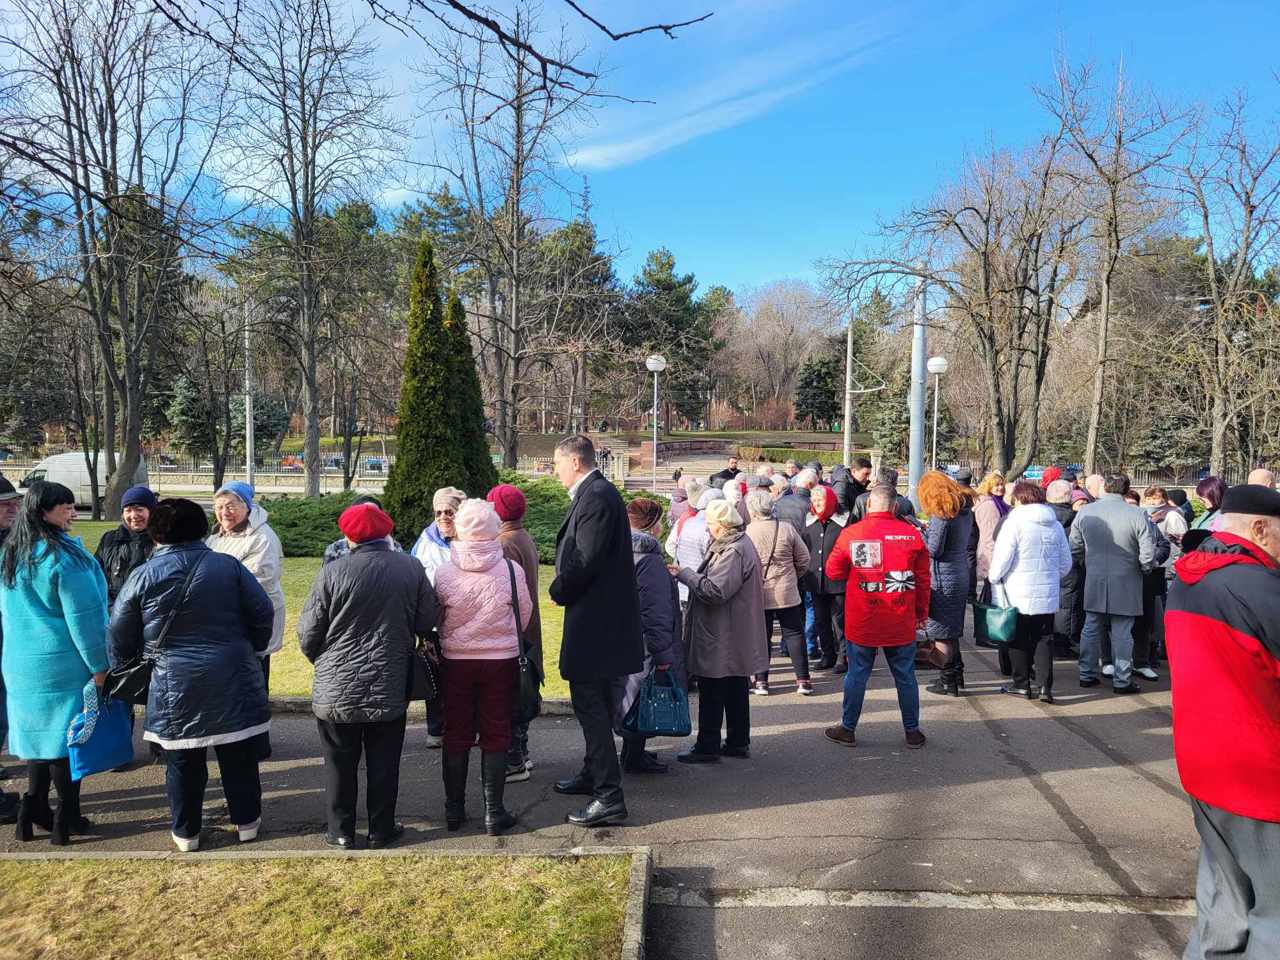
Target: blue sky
[[783, 129]]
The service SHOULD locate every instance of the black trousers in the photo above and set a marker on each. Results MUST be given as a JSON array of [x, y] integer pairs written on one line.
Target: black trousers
[[187, 775], [342, 744], [790, 621], [594, 707], [1033, 639], [1146, 636], [828, 611], [723, 700], [41, 775]]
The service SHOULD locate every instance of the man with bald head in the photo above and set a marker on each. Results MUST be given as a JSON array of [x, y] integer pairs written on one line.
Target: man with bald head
[[1223, 636], [1262, 477]]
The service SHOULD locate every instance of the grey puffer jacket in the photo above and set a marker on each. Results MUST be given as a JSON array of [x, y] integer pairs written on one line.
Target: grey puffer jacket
[[359, 626]]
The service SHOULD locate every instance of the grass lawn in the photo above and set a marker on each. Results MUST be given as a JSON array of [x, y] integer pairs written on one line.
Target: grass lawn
[[290, 671], [424, 908]]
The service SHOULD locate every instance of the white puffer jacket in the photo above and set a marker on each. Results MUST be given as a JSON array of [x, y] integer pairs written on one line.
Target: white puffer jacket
[[258, 548], [1031, 556], [474, 593]]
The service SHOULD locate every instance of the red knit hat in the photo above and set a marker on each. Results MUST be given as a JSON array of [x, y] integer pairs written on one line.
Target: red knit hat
[[1050, 474], [364, 522], [508, 501]]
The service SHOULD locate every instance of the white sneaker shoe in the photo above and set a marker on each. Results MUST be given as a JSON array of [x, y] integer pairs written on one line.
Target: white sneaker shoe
[[249, 831], [186, 845], [1109, 670], [434, 743], [760, 689], [1148, 673]]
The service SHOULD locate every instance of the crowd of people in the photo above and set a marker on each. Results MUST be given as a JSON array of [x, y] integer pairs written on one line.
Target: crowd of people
[[842, 566]]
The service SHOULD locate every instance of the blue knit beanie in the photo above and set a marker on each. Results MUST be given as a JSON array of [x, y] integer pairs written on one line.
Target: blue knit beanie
[[139, 496], [238, 488]]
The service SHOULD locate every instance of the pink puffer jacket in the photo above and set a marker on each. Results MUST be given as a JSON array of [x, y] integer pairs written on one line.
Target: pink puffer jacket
[[474, 592]]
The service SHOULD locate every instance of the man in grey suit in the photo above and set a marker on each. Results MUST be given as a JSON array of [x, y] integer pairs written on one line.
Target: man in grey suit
[[1117, 546]]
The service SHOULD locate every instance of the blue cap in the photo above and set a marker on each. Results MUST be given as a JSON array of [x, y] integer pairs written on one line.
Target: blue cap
[[139, 496], [240, 489]]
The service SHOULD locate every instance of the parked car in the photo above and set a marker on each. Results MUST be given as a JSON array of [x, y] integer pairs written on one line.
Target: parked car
[[375, 465], [70, 470]]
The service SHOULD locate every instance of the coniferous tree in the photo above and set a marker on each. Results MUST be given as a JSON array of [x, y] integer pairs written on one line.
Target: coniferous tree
[[440, 432]]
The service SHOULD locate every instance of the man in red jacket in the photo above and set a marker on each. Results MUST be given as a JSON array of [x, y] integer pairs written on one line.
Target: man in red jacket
[[1222, 630], [886, 564]]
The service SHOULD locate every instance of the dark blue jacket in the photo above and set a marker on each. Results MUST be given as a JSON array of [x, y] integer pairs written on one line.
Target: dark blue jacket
[[207, 686], [948, 543], [660, 621]]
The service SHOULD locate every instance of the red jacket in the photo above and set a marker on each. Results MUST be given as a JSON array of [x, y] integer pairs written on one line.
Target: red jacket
[[886, 564], [1222, 630]]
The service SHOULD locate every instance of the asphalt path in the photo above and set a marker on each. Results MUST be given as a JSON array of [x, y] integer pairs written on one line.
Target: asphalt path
[[1021, 827]]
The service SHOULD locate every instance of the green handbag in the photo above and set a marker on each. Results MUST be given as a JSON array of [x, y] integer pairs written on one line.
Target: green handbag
[[994, 624]]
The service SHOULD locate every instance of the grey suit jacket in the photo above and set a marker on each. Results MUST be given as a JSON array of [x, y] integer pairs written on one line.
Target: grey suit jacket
[[1117, 546]]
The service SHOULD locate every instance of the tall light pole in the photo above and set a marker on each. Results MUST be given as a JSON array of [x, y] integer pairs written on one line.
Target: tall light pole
[[656, 364], [936, 366], [847, 447], [919, 391]]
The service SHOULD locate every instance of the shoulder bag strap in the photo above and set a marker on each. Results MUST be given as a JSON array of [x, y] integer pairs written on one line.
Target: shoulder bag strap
[[515, 607], [772, 550], [182, 598]]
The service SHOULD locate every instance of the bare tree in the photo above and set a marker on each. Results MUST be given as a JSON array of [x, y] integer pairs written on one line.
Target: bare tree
[[311, 131], [1123, 139], [1000, 249], [117, 114]]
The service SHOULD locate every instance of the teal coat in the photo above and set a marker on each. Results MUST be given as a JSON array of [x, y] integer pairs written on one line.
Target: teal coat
[[55, 639]]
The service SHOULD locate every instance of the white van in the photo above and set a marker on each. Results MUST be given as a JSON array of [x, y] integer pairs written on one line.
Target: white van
[[69, 469]]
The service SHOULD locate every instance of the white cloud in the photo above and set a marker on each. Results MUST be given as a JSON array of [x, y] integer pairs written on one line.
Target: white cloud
[[740, 91]]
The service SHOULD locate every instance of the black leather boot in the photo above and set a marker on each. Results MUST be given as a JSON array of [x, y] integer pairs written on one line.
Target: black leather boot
[[455, 767], [23, 831], [493, 769]]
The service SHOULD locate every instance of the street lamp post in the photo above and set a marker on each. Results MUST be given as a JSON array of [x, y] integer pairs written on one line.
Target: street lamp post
[[656, 364], [936, 366]]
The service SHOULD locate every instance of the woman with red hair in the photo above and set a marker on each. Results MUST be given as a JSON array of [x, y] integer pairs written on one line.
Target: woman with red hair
[[946, 505]]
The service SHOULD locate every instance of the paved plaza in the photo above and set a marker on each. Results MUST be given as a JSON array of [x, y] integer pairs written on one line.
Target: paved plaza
[[1021, 829]]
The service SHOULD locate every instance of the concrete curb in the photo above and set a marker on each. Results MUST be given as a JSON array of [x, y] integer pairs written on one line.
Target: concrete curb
[[633, 918], [417, 710]]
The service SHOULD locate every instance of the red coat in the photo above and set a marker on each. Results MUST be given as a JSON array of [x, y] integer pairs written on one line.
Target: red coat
[[886, 564], [1223, 635]]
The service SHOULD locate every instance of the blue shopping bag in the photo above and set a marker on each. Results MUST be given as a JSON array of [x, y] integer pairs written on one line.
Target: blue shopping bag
[[660, 710], [100, 737]]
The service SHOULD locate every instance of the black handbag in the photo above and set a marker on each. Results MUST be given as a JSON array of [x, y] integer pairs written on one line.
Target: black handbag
[[131, 681], [528, 696], [424, 675]]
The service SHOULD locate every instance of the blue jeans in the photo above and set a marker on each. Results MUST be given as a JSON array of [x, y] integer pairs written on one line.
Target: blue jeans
[[1095, 627], [902, 662], [812, 647]]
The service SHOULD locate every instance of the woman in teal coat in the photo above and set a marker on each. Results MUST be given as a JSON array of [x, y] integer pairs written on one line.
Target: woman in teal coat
[[53, 603]]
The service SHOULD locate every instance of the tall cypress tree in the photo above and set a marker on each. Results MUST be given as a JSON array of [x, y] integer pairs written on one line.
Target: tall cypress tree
[[440, 434]]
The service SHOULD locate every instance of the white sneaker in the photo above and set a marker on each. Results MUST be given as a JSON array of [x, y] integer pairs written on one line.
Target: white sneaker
[[188, 845], [1148, 673], [760, 690], [528, 763], [434, 743], [1109, 670], [249, 831]]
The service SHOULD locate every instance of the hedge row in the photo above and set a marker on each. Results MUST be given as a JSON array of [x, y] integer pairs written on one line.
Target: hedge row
[[307, 526], [829, 458]]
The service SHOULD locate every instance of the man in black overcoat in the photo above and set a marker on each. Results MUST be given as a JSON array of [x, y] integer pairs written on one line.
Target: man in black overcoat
[[596, 584]]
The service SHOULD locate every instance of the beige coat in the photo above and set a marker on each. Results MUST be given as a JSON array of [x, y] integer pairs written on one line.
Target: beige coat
[[784, 559], [518, 545], [987, 516], [258, 548], [725, 620]]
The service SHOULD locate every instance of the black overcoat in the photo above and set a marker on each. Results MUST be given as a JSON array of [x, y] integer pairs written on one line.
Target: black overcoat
[[596, 584]]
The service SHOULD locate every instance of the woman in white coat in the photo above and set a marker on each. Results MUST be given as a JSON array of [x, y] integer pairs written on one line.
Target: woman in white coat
[[1030, 558]]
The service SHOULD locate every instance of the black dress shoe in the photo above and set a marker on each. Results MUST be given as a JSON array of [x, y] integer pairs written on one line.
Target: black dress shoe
[[1011, 690], [827, 664], [1090, 682], [1046, 696], [597, 813], [698, 756], [1130, 687], [379, 840], [578, 786], [738, 753], [339, 840]]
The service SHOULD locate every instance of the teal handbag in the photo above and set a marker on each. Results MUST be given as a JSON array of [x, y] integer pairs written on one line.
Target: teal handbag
[[660, 710], [994, 624]]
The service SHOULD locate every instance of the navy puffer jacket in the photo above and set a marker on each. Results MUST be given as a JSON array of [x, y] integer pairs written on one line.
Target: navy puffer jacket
[[660, 621], [948, 543], [207, 686]]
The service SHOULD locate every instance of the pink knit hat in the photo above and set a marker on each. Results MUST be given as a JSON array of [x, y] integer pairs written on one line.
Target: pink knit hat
[[477, 520]]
